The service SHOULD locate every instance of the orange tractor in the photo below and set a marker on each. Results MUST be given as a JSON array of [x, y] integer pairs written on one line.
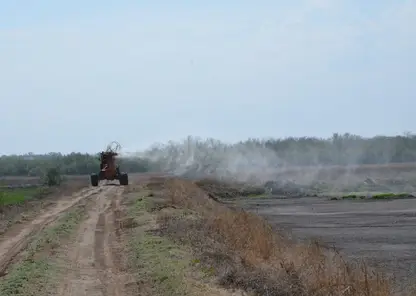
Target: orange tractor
[[109, 170]]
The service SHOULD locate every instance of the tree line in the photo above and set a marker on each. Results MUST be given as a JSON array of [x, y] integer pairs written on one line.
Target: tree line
[[340, 149], [70, 164]]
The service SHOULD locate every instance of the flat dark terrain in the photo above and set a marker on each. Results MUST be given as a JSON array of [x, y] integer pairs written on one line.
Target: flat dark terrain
[[382, 232]]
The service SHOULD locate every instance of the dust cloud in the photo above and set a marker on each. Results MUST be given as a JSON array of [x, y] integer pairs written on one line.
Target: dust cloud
[[302, 161]]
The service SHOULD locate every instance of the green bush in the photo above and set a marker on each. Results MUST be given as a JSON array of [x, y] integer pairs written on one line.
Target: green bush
[[52, 177]]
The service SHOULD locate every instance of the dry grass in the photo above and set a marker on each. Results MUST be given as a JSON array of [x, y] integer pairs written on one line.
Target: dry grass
[[243, 251]]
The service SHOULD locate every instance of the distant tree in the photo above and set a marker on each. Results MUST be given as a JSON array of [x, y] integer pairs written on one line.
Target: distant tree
[[70, 164], [52, 177]]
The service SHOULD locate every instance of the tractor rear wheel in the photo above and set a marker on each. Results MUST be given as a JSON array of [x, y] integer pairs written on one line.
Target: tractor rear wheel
[[94, 180], [124, 179]]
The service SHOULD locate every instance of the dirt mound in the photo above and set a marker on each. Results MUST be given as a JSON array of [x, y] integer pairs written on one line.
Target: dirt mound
[[228, 190], [232, 190], [289, 189]]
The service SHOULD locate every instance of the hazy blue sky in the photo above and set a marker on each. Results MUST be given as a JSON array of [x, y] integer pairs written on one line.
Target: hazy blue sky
[[75, 75]]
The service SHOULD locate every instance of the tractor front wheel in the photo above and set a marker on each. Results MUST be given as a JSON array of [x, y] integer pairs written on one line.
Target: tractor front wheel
[[124, 179], [94, 180]]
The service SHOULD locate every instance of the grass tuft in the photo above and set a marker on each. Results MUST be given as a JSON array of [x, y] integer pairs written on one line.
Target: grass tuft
[[158, 261]]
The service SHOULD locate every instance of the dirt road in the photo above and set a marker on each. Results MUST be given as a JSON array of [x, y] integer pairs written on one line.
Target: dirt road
[[18, 237], [90, 261]]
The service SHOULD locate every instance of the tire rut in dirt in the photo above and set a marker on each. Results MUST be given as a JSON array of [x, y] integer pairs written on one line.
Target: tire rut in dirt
[[105, 255], [99, 252], [91, 270], [18, 238], [99, 241]]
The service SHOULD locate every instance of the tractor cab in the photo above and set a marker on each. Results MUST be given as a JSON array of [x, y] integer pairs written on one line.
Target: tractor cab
[[106, 159]]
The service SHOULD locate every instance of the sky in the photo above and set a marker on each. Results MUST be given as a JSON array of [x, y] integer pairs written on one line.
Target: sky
[[76, 75]]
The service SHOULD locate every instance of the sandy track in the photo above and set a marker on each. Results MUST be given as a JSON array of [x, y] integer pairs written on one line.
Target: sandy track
[[93, 266], [18, 237]]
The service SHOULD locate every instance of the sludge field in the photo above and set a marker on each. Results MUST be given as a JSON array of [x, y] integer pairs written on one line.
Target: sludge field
[[344, 211]]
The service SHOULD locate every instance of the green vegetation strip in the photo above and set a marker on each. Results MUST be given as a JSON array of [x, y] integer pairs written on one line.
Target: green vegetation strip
[[20, 195], [36, 272], [157, 260], [378, 196]]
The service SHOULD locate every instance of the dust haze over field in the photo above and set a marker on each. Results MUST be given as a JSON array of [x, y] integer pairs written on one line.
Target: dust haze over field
[[342, 161]]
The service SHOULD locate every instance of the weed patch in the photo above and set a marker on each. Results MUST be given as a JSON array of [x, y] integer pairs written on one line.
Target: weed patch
[[377, 196], [382, 196], [10, 196], [160, 263]]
